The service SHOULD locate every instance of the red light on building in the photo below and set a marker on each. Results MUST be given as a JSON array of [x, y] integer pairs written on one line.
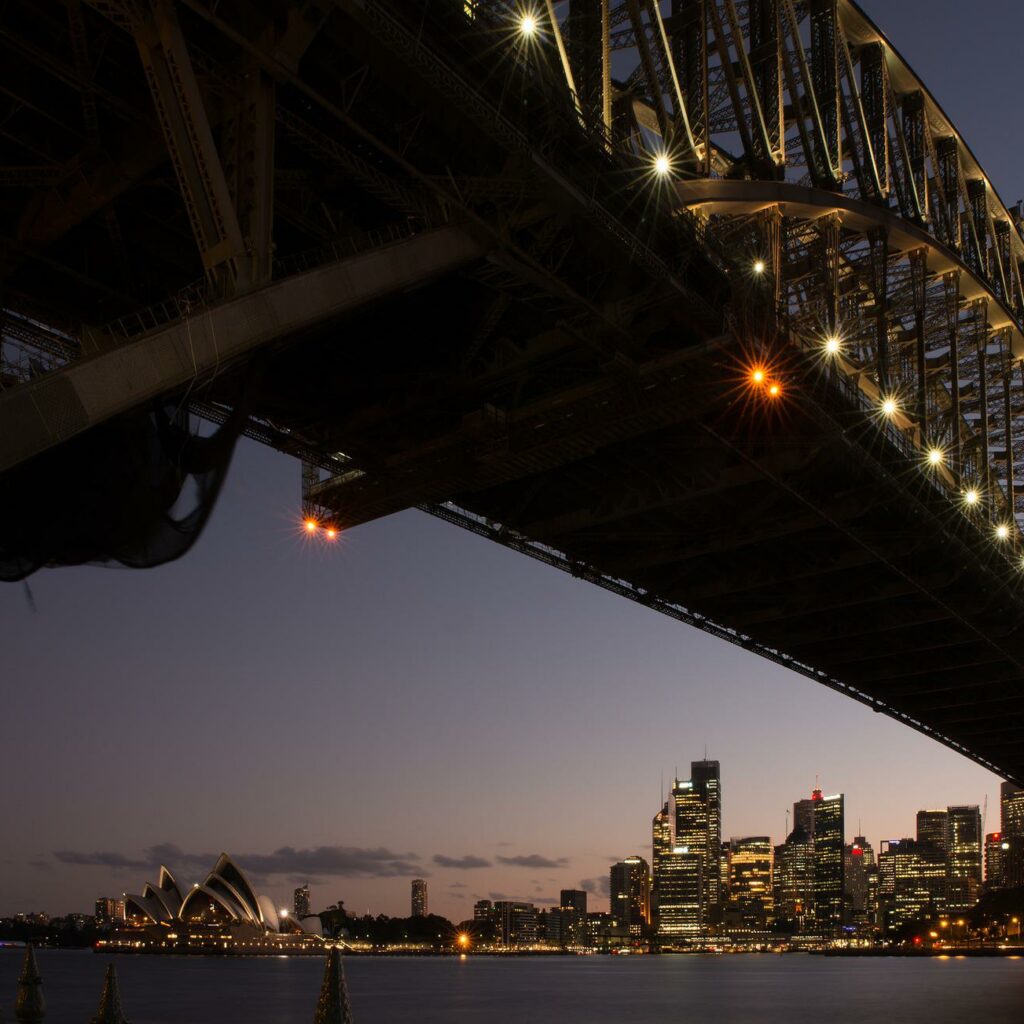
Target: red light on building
[[816, 795], [857, 852]]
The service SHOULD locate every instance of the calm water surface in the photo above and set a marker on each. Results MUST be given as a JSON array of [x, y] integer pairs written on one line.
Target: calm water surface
[[765, 989]]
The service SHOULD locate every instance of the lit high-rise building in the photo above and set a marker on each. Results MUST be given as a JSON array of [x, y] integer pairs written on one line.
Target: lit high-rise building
[[803, 813], [861, 884], [680, 896], [794, 880], [698, 829], [963, 858], [707, 780], [997, 846], [723, 873], [661, 847], [913, 881], [301, 902], [932, 826], [630, 894], [829, 874], [483, 910], [571, 917], [750, 880], [1011, 809], [419, 898]]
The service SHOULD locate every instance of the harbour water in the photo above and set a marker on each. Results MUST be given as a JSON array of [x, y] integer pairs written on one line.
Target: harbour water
[[770, 989]]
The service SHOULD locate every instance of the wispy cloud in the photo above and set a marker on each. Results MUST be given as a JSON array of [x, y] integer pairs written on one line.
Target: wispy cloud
[[598, 886], [534, 860], [464, 863], [337, 861]]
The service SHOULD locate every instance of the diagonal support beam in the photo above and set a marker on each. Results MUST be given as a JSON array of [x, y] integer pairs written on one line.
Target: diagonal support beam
[[39, 415], [189, 138]]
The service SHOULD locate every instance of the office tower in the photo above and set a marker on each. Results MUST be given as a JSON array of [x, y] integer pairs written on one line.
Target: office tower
[[723, 873], [751, 900], [680, 896], [794, 880], [963, 858], [301, 902], [693, 832], [803, 813], [913, 881], [829, 826], [997, 846], [570, 918], [661, 846], [630, 892], [860, 884], [483, 910], [1011, 809], [707, 781], [517, 923], [931, 828], [419, 898], [109, 912]]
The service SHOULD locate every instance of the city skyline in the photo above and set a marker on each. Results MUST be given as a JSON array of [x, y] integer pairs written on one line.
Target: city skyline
[[464, 660], [684, 826]]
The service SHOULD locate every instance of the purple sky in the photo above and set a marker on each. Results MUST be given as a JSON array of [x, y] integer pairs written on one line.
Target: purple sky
[[417, 692]]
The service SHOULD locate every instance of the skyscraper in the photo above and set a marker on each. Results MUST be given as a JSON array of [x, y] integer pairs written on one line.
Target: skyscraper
[[913, 881], [996, 848], [829, 830], [300, 902], [707, 780], [680, 896], [931, 828], [751, 898], [661, 847], [419, 898], [803, 813], [698, 830], [630, 892], [860, 884], [794, 880], [963, 858], [1011, 809], [691, 825], [571, 915]]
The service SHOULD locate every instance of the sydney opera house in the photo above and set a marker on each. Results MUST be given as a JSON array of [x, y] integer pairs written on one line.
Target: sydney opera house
[[222, 914]]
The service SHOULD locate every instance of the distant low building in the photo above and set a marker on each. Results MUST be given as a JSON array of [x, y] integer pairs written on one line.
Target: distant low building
[[110, 912], [301, 902]]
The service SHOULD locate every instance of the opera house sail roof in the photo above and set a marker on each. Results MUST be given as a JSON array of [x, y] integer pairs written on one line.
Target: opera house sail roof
[[225, 898]]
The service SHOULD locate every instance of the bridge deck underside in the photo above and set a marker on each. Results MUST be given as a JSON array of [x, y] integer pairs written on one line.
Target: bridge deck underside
[[798, 525]]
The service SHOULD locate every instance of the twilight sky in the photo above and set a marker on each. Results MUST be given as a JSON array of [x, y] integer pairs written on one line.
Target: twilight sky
[[418, 701]]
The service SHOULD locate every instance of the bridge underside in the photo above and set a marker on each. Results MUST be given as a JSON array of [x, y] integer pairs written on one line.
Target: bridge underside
[[794, 529], [392, 241]]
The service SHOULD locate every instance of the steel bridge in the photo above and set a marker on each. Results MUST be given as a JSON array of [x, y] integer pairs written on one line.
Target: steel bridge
[[704, 301]]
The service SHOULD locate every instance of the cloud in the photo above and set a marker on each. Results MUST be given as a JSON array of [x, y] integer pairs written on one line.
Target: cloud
[[546, 901], [463, 863], [534, 860], [337, 861], [498, 896], [458, 885], [599, 886]]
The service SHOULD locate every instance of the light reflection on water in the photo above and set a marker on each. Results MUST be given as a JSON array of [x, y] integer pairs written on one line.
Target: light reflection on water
[[568, 990]]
